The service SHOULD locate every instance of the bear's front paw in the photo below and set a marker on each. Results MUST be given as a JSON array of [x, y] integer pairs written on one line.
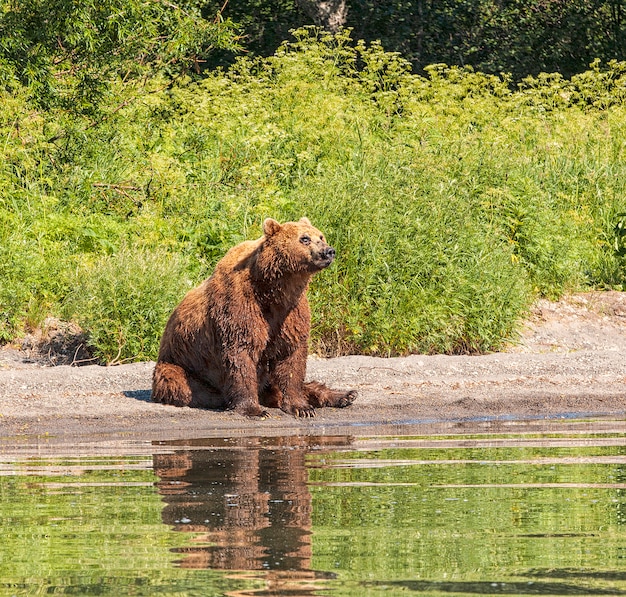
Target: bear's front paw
[[257, 413], [304, 411], [249, 410]]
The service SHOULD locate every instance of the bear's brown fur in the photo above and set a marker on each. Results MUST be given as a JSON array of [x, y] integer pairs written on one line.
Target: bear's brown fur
[[239, 340]]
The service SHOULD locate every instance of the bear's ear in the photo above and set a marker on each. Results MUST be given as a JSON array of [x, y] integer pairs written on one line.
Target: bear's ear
[[270, 227], [305, 221]]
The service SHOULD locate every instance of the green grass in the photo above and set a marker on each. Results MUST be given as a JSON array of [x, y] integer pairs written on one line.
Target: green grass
[[452, 200]]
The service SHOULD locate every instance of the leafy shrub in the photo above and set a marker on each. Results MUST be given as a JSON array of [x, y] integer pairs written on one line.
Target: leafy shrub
[[68, 53], [600, 87], [123, 300]]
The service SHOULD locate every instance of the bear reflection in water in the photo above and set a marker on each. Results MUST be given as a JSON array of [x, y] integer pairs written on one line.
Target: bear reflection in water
[[248, 505]]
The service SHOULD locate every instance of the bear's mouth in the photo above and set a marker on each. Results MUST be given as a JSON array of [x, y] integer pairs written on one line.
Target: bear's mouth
[[324, 263]]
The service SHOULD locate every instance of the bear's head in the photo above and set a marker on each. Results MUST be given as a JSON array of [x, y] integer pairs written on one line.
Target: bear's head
[[295, 247]]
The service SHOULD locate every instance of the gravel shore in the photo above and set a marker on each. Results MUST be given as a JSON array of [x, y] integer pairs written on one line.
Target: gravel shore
[[569, 362]]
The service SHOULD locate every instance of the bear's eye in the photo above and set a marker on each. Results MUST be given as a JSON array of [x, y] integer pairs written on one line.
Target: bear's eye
[[305, 240]]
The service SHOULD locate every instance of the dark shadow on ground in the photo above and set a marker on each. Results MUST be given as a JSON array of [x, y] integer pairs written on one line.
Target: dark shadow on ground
[[143, 395]]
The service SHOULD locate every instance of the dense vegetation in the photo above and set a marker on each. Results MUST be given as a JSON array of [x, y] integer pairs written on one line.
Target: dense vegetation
[[521, 37], [453, 198]]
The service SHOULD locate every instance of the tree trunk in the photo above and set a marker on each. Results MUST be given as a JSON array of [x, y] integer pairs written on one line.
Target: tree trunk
[[330, 14]]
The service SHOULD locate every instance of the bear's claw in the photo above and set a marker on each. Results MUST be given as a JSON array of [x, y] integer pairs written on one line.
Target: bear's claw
[[304, 413], [260, 414], [301, 412]]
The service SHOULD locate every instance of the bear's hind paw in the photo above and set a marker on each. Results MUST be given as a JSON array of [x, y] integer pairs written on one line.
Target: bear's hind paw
[[347, 399]]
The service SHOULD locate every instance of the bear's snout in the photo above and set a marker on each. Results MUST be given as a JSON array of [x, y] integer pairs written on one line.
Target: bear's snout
[[324, 256], [328, 253]]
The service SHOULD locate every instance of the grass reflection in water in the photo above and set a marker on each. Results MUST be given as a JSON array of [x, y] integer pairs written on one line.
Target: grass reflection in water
[[321, 515]]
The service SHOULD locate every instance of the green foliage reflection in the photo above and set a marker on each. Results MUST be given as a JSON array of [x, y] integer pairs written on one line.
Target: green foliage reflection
[[464, 520], [91, 528], [467, 520]]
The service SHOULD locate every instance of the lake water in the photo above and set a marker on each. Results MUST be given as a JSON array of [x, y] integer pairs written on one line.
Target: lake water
[[515, 511]]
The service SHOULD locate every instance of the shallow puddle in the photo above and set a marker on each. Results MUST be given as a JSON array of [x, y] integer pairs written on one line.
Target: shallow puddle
[[516, 512]]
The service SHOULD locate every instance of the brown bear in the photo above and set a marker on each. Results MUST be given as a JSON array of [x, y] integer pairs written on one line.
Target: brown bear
[[240, 339]]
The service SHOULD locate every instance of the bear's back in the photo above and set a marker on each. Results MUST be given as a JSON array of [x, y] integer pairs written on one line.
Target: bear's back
[[239, 257]]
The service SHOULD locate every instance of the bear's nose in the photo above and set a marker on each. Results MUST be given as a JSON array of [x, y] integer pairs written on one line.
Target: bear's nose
[[328, 253]]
